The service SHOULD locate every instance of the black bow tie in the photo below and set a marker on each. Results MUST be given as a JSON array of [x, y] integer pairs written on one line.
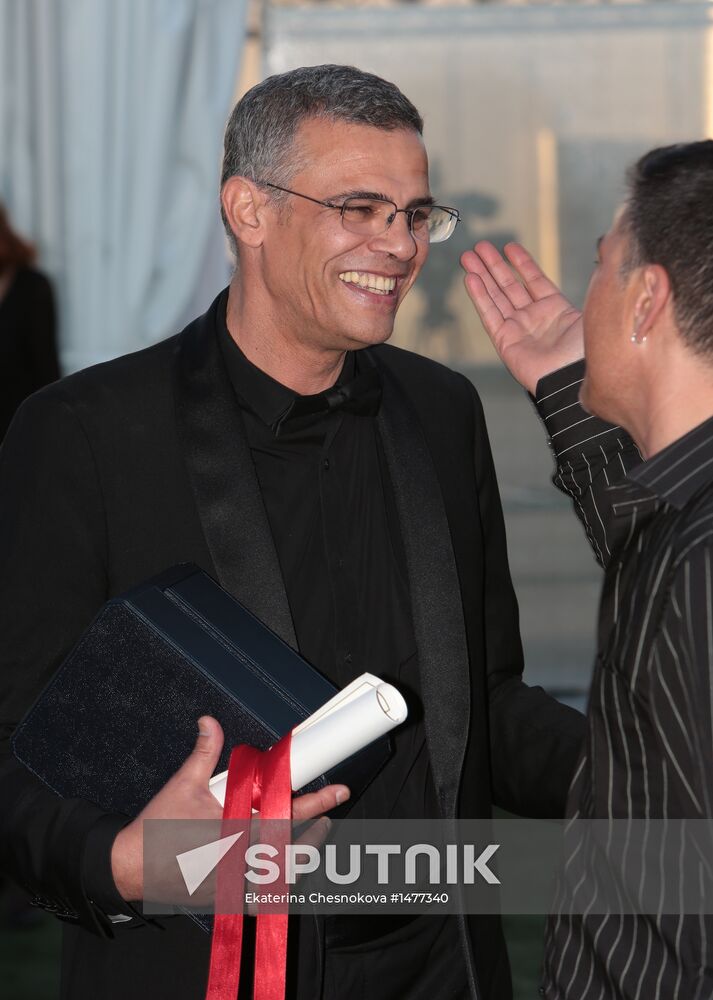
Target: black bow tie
[[361, 395]]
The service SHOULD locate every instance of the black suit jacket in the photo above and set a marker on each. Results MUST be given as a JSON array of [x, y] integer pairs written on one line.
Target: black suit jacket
[[115, 473]]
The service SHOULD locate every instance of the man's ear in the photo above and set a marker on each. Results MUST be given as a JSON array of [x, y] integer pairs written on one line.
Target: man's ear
[[243, 203], [652, 298]]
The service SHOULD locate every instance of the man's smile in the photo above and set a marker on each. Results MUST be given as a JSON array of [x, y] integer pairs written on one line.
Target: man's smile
[[380, 284]]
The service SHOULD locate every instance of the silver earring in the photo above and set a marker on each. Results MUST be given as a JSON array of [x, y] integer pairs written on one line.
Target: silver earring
[[636, 339]]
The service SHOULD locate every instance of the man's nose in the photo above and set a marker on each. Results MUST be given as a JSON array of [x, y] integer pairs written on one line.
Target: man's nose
[[397, 240]]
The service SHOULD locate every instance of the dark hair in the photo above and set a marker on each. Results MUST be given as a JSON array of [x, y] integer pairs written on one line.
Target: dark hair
[[669, 221], [260, 134], [14, 251]]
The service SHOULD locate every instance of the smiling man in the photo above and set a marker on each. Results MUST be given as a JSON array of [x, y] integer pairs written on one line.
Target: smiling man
[[342, 489], [344, 282], [325, 263]]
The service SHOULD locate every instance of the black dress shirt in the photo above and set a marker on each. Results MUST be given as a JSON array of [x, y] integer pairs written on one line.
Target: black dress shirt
[[324, 482], [648, 749], [329, 502]]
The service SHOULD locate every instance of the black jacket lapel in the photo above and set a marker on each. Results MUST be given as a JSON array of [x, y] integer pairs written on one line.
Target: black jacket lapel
[[238, 535], [435, 593], [223, 477]]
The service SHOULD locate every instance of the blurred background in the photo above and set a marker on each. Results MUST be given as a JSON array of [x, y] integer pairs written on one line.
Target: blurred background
[[111, 120]]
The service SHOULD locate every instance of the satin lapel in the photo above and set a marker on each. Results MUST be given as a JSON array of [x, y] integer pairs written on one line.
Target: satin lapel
[[435, 593], [223, 478]]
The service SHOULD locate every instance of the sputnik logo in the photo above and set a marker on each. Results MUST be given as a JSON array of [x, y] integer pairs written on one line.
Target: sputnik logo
[[197, 864]]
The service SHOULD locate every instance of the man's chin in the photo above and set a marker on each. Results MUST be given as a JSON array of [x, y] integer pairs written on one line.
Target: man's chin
[[588, 400], [369, 338], [593, 405], [584, 395]]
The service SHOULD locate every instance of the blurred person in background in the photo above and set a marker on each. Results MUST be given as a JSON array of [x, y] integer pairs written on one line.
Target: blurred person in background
[[28, 350], [646, 334]]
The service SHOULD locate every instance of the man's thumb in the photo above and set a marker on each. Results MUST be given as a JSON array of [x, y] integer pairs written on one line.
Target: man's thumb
[[203, 759]]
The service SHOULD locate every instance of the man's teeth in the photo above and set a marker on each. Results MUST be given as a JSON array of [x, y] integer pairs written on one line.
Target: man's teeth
[[374, 282]]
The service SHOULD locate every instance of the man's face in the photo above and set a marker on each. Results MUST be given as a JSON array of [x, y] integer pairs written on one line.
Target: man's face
[[314, 270], [608, 327]]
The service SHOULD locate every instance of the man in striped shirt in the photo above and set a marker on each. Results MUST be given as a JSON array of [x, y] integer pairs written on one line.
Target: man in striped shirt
[[647, 335]]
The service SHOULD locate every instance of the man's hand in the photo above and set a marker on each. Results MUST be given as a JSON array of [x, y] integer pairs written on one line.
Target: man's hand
[[533, 327], [186, 796]]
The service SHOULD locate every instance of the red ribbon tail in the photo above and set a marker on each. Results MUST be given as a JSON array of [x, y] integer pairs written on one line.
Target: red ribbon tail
[[226, 945], [254, 779], [271, 938]]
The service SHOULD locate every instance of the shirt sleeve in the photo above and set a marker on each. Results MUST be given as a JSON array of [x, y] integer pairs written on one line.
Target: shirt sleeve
[[592, 457]]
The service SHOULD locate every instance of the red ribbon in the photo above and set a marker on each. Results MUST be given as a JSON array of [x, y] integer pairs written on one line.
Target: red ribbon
[[255, 781]]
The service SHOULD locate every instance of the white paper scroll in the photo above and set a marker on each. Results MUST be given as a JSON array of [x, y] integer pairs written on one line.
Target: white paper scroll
[[356, 716]]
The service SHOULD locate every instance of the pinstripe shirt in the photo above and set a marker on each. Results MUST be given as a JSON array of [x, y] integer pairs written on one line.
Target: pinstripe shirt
[[648, 746]]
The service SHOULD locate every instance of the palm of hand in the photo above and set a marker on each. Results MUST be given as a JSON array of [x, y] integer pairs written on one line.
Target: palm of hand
[[540, 338], [533, 327]]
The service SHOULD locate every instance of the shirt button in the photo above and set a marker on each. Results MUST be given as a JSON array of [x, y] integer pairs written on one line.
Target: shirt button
[[325, 464], [347, 657]]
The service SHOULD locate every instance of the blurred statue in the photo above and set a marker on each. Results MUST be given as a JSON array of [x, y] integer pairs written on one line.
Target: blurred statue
[[28, 353]]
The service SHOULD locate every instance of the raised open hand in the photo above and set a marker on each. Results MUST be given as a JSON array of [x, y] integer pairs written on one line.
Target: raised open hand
[[533, 327]]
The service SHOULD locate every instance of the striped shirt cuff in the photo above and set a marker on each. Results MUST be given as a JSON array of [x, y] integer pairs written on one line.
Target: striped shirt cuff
[[569, 427]]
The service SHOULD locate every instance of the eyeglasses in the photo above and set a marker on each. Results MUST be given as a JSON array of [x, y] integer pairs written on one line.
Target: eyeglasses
[[373, 216]]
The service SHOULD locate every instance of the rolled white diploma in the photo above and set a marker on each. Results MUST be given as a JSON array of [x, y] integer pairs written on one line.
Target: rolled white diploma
[[351, 720]]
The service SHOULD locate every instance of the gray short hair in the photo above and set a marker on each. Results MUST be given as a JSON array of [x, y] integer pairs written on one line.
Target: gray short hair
[[260, 133]]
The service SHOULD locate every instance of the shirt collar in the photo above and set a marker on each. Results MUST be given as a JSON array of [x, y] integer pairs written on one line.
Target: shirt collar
[[677, 472], [263, 395]]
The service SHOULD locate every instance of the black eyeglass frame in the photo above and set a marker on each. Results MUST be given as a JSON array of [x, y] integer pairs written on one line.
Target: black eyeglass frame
[[408, 212]]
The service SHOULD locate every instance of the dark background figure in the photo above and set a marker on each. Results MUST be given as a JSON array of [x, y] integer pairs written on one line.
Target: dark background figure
[[28, 351]]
